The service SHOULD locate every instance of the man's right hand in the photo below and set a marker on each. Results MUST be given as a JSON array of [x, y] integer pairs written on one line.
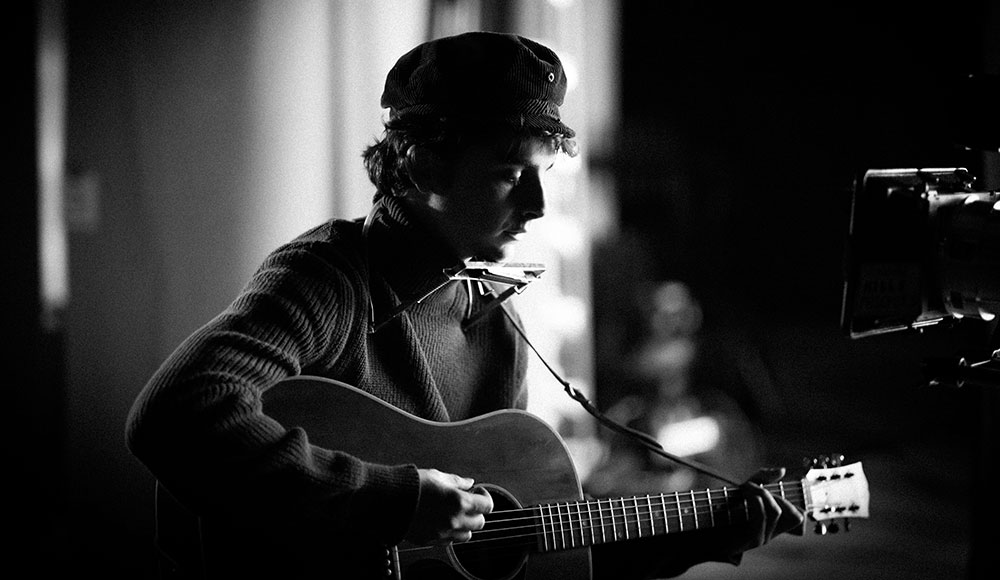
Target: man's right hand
[[449, 509]]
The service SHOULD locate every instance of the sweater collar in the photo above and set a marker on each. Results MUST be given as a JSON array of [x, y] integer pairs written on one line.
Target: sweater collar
[[408, 256]]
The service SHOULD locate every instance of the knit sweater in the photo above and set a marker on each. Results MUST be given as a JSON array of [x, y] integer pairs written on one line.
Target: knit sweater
[[198, 424]]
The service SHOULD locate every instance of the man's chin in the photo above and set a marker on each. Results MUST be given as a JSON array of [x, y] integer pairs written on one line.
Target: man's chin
[[494, 254]]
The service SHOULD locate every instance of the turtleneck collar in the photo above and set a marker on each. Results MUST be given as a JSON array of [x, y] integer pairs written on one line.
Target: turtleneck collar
[[407, 255]]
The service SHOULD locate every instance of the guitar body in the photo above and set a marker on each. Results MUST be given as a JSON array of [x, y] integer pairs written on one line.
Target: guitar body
[[513, 454]]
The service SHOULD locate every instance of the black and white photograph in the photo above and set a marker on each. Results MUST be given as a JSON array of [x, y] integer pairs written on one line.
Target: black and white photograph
[[503, 290]]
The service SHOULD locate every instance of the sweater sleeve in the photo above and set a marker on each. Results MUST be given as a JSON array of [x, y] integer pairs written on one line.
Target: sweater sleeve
[[198, 424]]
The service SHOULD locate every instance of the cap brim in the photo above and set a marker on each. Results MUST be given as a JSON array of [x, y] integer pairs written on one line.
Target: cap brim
[[539, 122], [549, 125]]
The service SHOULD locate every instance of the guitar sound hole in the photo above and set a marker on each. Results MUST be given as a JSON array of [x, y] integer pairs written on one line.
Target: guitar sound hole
[[499, 550]]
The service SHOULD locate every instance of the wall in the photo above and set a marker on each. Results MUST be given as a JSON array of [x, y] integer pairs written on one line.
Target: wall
[[200, 136]]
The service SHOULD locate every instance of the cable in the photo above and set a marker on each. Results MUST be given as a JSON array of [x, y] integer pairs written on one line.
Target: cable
[[642, 438]]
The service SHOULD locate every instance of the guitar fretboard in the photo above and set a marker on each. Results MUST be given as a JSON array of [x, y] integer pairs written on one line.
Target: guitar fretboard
[[586, 523]]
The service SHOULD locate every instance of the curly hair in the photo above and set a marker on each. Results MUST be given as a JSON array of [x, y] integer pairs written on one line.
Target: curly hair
[[385, 160]]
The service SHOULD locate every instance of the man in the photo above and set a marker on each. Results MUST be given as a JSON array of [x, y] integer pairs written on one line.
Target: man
[[473, 127]]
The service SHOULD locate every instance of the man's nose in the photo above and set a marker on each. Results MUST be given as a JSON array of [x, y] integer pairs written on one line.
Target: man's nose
[[531, 197]]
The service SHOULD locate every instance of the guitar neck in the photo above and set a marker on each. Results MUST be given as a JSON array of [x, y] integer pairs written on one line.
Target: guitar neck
[[577, 524]]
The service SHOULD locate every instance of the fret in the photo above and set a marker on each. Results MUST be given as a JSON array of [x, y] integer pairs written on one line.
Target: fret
[[582, 523], [600, 514], [545, 534], [579, 523], [638, 517], [666, 518], [562, 526], [652, 517], [556, 526], [614, 527], [694, 508], [567, 524], [552, 527], [590, 518], [560, 537], [570, 526], [803, 494], [629, 510], [575, 522], [680, 514], [781, 489], [711, 510], [729, 508], [624, 516]]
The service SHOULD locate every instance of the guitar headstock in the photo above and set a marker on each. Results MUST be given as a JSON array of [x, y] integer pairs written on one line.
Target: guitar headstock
[[834, 491]]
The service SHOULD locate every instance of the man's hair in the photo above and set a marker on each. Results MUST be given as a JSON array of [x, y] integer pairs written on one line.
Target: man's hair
[[385, 160]]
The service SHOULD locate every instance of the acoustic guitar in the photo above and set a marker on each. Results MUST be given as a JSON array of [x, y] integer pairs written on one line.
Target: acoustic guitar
[[542, 526]]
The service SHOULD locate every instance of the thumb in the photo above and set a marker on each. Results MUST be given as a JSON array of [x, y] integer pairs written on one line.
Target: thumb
[[463, 483]]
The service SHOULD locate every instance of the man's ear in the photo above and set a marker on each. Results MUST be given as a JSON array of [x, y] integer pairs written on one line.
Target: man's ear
[[425, 167]]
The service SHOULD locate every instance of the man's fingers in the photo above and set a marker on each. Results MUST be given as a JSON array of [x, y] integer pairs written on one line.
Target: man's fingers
[[476, 503], [463, 483], [791, 518], [482, 501], [766, 510]]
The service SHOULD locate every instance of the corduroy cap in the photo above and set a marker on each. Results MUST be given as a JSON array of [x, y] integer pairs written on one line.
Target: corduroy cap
[[480, 76]]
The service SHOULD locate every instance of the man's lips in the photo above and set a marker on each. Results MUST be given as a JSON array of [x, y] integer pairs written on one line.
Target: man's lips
[[514, 233]]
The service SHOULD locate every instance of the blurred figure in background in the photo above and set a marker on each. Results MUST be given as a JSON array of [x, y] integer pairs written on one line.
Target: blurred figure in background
[[669, 400]]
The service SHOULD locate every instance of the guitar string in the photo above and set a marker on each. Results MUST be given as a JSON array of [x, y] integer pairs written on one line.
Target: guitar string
[[530, 538], [532, 532], [793, 491], [676, 509], [614, 511], [482, 545], [633, 503], [569, 527], [651, 512], [787, 489], [566, 526], [478, 550]]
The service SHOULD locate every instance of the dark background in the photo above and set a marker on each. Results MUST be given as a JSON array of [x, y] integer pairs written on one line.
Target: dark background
[[744, 130]]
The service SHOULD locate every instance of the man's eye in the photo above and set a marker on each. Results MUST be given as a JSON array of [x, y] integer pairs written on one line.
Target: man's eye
[[514, 178]]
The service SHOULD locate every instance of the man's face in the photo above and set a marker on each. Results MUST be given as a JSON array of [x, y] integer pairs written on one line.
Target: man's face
[[488, 195]]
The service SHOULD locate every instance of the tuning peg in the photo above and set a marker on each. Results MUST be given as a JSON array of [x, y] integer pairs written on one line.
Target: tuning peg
[[834, 527], [847, 525], [821, 528]]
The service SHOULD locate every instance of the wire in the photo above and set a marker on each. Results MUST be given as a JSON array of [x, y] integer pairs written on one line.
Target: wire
[[642, 438]]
